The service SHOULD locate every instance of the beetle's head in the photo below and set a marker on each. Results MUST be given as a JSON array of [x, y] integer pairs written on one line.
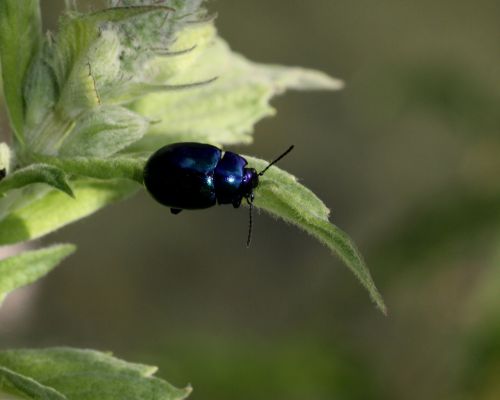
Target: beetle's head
[[250, 181]]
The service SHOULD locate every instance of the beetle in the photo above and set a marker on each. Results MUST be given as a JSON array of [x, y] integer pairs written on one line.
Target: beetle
[[191, 176]]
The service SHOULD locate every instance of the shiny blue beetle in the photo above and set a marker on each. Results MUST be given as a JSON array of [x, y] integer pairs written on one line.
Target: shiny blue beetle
[[196, 175]]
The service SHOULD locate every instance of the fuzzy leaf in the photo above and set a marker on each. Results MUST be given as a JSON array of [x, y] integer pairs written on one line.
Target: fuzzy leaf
[[13, 384], [48, 211], [39, 93], [36, 173], [104, 131], [83, 42], [105, 64], [16, 199], [224, 111], [280, 194], [154, 32], [77, 34], [20, 37], [121, 167], [90, 375], [164, 64], [27, 267], [131, 91], [191, 44]]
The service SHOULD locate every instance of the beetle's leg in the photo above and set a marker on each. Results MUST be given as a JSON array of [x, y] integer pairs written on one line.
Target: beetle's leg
[[237, 203], [175, 211]]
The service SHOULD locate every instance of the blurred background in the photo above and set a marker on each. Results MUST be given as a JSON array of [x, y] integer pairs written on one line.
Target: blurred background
[[407, 157]]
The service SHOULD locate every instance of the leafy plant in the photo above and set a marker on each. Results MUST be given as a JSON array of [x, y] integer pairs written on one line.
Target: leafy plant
[[86, 108], [63, 373]]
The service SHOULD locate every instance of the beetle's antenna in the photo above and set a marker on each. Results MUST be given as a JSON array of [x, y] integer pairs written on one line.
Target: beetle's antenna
[[275, 161], [250, 222]]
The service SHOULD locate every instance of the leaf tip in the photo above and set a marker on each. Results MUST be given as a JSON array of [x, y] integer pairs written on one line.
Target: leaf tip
[[67, 189], [329, 83], [65, 249], [187, 390], [377, 298], [383, 308]]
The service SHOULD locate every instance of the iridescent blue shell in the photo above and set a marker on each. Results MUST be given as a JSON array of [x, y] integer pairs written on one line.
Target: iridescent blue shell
[[195, 176]]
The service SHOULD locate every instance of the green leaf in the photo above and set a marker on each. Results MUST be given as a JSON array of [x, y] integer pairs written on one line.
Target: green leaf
[[14, 383], [90, 375], [20, 37], [36, 173], [156, 32], [46, 211], [225, 111], [280, 194], [78, 33], [39, 93], [112, 82], [120, 167], [18, 198], [190, 47], [103, 131], [84, 43], [28, 267], [131, 91]]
